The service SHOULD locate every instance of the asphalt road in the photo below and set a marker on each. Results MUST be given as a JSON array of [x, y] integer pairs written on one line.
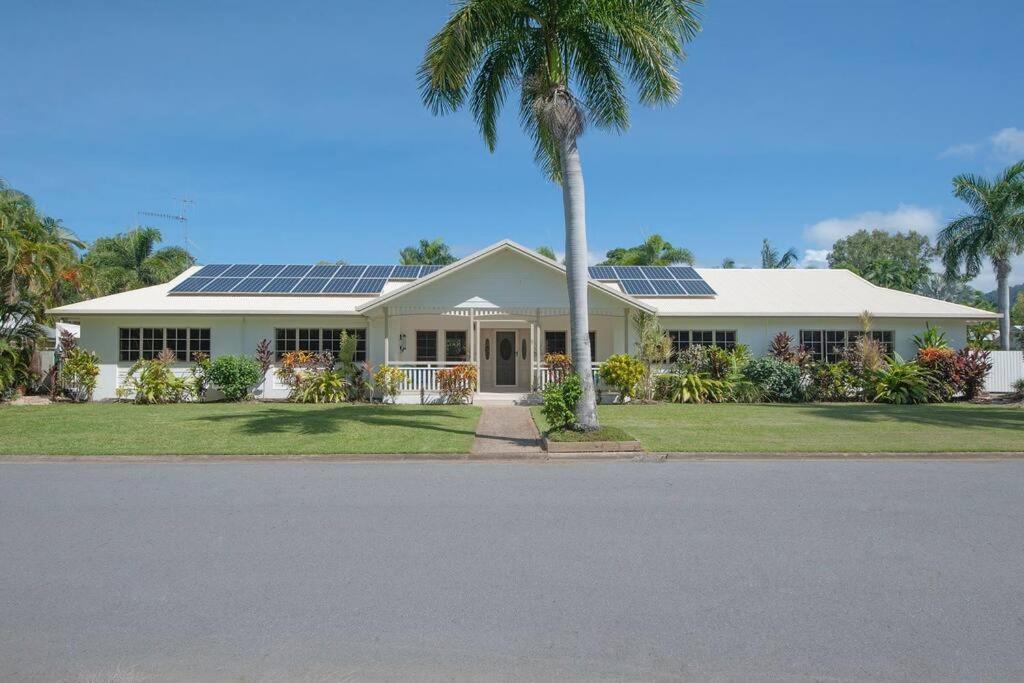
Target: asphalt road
[[864, 570]]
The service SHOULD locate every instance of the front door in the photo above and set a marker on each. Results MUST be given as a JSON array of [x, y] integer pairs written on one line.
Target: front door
[[505, 359]]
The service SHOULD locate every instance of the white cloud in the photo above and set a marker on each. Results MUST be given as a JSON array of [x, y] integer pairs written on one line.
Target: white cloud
[[1004, 145], [905, 217], [986, 280], [1008, 144], [815, 258]]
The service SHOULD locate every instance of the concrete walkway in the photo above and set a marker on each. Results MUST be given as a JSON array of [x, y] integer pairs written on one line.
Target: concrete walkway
[[506, 429]]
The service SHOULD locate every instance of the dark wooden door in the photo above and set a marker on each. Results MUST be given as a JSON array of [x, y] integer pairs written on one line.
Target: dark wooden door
[[505, 359]]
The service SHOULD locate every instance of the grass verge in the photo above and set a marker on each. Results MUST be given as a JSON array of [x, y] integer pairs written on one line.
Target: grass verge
[[235, 429], [817, 427], [602, 434]]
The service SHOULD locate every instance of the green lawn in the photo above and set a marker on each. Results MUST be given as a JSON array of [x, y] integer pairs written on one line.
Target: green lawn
[[235, 429], [818, 427]]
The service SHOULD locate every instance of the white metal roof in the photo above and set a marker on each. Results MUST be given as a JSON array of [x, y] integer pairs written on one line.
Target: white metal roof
[[739, 292]]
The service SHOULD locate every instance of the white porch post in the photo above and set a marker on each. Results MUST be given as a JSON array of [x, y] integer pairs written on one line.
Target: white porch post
[[533, 355], [387, 338]]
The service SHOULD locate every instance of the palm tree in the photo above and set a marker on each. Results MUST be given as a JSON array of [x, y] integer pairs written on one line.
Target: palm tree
[[654, 251], [770, 257], [569, 60], [131, 260], [994, 230], [428, 253], [728, 262], [547, 252]]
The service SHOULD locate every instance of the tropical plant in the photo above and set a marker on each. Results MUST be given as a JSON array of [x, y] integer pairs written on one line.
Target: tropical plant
[[779, 380], [770, 257], [654, 347], [694, 387], [151, 381], [728, 263], [235, 376], [559, 366], [931, 338], [427, 253], [323, 385], [1018, 388], [388, 379], [901, 382], [654, 251], [200, 372], [833, 382], [19, 338], [624, 372], [567, 59], [560, 399], [974, 366], [265, 357], [131, 260], [994, 229], [78, 372], [457, 384], [785, 349]]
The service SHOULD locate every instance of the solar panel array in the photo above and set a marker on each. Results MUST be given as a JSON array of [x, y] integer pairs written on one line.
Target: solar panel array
[[241, 279], [676, 281]]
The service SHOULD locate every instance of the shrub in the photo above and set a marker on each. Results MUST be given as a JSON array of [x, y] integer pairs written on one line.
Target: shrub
[[974, 366], [696, 388], [559, 366], [901, 382], [320, 386], [931, 338], [457, 384], [945, 371], [201, 374], [1018, 388], [388, 379], [624, 372], [78, 372], [832, 382], [235, 376], [152, 382], [560, 399], [783, 348], [778, 380]]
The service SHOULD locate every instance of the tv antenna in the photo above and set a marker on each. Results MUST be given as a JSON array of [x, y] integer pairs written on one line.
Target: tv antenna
[[180, 217]]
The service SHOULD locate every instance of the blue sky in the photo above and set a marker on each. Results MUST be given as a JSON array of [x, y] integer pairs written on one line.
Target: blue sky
[[298, 129]]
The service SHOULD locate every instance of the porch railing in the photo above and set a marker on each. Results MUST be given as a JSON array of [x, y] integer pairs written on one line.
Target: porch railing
[[422, 375], [544, 375]]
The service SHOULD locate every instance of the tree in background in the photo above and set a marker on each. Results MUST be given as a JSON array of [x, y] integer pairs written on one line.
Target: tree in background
[[548, 252], [428, 253], [130, 260], [654, 251], [569, 60], [770, 257], [994, 230], [895, 260], [728, 263], [1017, 317]]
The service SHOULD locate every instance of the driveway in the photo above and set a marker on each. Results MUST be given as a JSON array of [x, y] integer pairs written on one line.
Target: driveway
[[317, 571]]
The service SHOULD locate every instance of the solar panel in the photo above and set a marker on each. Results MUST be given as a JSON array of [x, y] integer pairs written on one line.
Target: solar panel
[[322, 271], [697, 288], [657, 273], [193, 284], [250, 285], [350, 271], [294, 271], [212, 270], [281, 285], [239, 270], [266, 271], [629, 272], [667, 287], [603, 273], [310, 285], [369, 286], [405, 272], [378, 271], [427, 270], [637, 287], [342, 285], [221, 284], [684, 273]]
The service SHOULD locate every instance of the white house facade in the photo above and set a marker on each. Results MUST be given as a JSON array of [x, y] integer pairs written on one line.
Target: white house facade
[[502, 309]]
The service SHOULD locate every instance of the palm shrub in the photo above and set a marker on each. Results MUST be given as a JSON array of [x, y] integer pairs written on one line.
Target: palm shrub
[[151, 381], [388, 380], [696, 387], [779, 380], [235, 376], [654, 348], [560, 401], [931, 338], [321, 386], [78, 372], [624, 372], [19, 338], [901, 382]]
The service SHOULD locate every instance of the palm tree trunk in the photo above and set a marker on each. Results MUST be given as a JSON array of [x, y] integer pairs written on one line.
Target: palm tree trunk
[[574, 204], [1003, 293]]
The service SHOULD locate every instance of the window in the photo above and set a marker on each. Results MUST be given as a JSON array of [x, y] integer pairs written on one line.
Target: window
[[426, 345], [684, 339], [315, 339], [831, 345], [557, 342], [148, 342], [454, 345], [725, 339]]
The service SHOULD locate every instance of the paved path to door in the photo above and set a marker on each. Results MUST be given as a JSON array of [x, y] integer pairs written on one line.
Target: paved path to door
[[506, 429]]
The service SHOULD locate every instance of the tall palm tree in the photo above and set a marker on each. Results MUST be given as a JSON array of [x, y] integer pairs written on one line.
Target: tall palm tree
[[770, 257], [569, 60], [994, 230], [131, 260], [654, 251], [428, 253]]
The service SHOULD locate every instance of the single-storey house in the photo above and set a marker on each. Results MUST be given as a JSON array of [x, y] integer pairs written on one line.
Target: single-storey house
[[502, 308]]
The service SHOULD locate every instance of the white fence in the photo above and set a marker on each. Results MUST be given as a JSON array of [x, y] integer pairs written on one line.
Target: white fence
[[1007, 368], [423, 375]]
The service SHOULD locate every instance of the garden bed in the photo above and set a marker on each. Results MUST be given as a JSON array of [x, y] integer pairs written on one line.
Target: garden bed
[[605, 439]]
